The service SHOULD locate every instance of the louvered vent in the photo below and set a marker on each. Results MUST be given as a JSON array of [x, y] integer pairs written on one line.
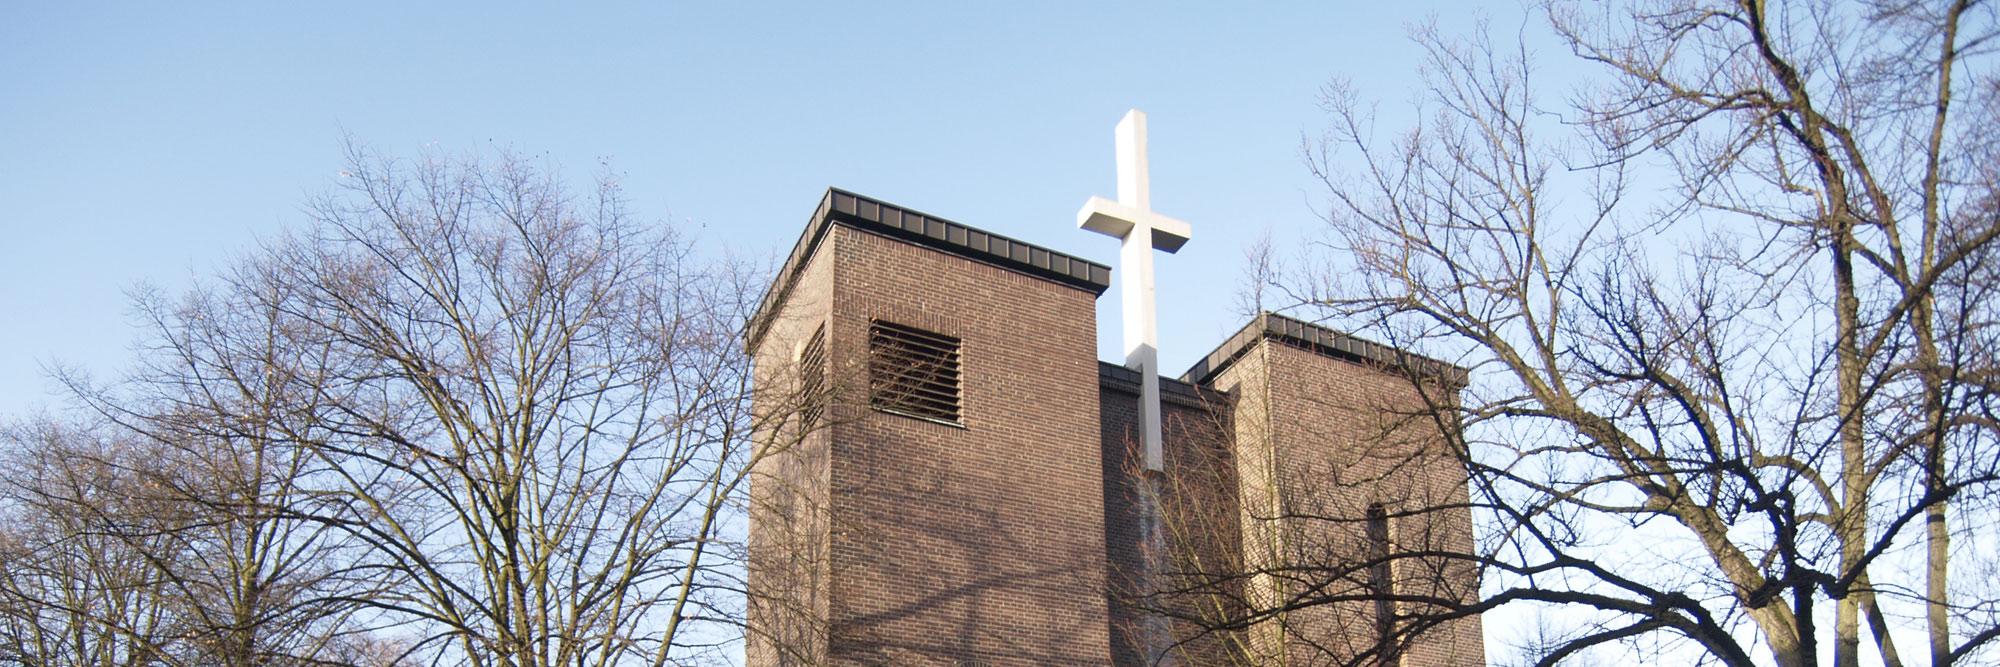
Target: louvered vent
[[812, 378], [913, 372]]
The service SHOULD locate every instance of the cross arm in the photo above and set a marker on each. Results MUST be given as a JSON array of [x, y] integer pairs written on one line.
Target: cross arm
[[1117, 220]]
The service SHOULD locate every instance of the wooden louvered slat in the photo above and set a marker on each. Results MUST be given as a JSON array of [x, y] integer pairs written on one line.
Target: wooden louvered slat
[[925, 348], [812, 378], [921, 347], [917, 377], [940, 390], [913, 372]]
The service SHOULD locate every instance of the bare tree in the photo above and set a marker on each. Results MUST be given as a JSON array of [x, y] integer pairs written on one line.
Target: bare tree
[[488, 419], [127, 550], [72, 590], [1728, 318]]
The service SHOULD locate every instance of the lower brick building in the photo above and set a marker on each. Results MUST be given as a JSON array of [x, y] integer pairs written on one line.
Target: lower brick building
[[947, 474]]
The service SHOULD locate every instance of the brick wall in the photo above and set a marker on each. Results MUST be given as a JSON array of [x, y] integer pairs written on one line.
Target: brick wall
[[973, 545], [1318, 440], [1197, 491], [789, 477], [1012, 538]]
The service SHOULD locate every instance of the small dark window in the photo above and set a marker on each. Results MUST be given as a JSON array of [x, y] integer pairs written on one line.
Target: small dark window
[[913, 372], [812, 378], [1381, 586]]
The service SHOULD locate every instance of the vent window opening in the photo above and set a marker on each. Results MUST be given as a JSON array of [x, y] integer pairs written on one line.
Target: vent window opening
[[812, 379], [913, 372]]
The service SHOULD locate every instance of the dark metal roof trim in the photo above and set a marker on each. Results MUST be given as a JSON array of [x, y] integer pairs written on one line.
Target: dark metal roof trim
[[1322, 340], [1171, 390], [876, 216]]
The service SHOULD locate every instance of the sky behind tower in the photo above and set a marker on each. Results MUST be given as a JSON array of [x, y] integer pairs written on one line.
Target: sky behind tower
[[148, 144]]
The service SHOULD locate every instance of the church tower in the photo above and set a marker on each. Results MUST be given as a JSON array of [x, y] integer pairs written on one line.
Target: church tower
[[1339, 470], [940, 499], [948, 476]]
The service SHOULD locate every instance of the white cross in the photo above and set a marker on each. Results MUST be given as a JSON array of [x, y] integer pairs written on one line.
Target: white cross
[[1131, 219]]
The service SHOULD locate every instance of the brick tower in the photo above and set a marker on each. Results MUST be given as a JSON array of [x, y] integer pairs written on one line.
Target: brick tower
[[952, 500], [947, 473]]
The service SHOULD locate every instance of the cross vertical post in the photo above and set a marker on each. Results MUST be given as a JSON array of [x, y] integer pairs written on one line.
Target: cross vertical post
[[1140, 231]]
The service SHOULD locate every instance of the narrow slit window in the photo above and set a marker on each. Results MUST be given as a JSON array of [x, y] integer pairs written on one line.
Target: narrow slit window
[[1381, 587], [913, 372], [812, 378]]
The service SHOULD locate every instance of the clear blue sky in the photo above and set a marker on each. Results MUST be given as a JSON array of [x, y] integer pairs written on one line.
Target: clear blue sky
[[149, 143]]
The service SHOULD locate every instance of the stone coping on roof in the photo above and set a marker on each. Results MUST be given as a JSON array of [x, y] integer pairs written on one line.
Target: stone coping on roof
[[1319, 339], [879, 217]]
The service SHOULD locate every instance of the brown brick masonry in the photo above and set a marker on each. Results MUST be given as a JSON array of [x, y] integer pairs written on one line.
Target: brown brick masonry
[[1011, 538]]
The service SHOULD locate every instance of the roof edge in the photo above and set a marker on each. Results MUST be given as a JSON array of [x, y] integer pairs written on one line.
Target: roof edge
[[1113, 375], [1323, 340], [878, 217]]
